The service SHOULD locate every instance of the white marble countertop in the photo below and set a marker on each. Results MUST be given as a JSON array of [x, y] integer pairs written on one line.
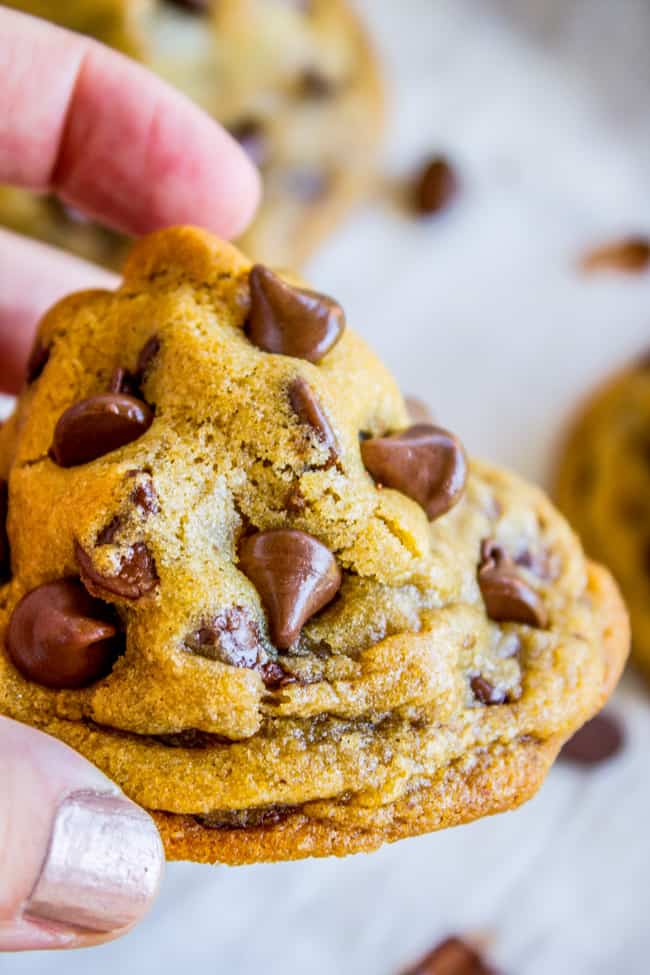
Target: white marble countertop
[[546, 107]]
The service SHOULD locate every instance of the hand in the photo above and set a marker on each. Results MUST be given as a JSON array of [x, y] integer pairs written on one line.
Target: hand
[[79, 863]]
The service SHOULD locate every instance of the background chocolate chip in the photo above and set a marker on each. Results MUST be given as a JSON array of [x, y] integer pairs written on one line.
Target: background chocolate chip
[[98, 425], [631, 255], [597, 741], [194, 6], [145, 498], [122, 381], [306, 406], [137, 576], [425, 462], [435, 187], [307, 183], [507, 596], [251, 136], [295, 575], [108, 534], [314, 84], [61, 637], [452, 957], [5, 560], [38, 359], [291, 321], [148, 353], [485, 692]]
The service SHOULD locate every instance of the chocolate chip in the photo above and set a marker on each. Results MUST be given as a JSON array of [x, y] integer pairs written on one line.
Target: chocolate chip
[[485, 692], [251, 136], [295, 575], [597, 741], [314, 84], [630, 255], [148, 353], [436, 186], [291, 321], [295, 502], [231, 637], [98, 425], [305, 404], [452, 957], [424, 462], [507, 597], [246, 818], [418, 410], [5, 560], [137, 575], [38, 359], [61, 637]]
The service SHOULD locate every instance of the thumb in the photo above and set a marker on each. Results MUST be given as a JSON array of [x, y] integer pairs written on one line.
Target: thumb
[[79, 863]]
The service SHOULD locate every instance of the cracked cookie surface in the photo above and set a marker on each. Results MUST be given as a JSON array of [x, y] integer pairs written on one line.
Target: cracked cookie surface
[[272, 646], [297, 84]]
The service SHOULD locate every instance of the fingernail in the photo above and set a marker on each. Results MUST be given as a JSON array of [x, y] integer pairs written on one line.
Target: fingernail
[[103, 865]]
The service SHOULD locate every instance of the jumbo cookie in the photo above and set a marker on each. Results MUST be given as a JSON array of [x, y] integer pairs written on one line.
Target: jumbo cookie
[[281, 618], [295, 81], [603, 487]]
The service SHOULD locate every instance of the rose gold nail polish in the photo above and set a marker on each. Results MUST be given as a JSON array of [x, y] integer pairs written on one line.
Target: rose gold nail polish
[[103, 865]]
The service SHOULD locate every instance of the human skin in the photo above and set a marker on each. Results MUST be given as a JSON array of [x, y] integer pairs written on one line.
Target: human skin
[[113, 141]]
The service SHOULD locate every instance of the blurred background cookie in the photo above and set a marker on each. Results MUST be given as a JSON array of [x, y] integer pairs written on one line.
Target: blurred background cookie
[[604, 489], [295, 81]]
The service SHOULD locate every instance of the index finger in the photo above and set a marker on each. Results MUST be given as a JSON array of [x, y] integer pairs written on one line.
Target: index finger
[[111, 138]]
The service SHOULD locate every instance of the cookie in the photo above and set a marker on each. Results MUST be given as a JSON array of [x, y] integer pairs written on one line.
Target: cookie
[[282, 617], [603, 487], [297, 83]]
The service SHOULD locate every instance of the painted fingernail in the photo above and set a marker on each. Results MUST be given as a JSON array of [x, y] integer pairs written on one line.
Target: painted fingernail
[[103, 865]]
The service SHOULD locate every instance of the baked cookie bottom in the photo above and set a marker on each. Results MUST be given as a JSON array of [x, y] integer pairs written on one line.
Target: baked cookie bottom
[[487, 782]]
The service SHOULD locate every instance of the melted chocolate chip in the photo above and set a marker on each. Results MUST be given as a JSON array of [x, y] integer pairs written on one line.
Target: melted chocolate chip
[[5, 560], [193, 6], [148, 353], [507, 597], [190, 738], [123, 381], [108, 534], [251, 136], [275, 676], [295, 575], [61, 637], [306, 406], [452, 957], [145, 498], [38, 359], [232, 637], [291, 321], [98, 425], [485, 692], [246, 818], [631, 255], [436, 186], [597, 741], [137, 575], [424, 462]]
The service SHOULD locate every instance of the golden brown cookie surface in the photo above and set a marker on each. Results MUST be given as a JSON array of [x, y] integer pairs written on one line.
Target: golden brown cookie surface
[[296, 83], [603, 487], [260, 639]]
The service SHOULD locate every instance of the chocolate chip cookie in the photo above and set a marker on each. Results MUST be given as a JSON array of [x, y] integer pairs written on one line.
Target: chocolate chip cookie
[[295, 81], [238, 578], [603, 487]]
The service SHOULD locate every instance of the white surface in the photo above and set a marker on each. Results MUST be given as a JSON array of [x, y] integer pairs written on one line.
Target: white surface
[[546, 108]]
